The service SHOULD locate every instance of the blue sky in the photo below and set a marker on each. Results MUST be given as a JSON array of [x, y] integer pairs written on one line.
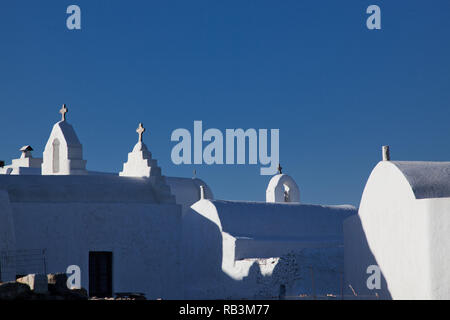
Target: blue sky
[[336, 90]]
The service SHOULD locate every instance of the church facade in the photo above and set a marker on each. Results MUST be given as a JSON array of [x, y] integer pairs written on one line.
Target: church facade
[[167, 237]]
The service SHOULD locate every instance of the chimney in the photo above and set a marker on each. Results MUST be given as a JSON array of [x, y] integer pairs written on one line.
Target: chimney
[[386, 153], [202, 192]]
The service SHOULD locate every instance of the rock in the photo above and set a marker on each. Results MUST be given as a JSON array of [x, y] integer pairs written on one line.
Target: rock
[[137, 296], [14, 290], [81, 291], [57, 286], [31, 287], [77, 294], [36, 282], [57, 283], [130, 296]]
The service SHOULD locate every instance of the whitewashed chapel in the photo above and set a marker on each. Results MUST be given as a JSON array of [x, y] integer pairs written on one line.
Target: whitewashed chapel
[[403, 227], [167, 237], [136, 231]]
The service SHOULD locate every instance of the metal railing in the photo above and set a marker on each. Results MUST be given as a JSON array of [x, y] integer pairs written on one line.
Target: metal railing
[[22, 262]]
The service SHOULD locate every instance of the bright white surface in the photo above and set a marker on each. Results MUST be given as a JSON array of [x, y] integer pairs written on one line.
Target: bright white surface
[[187, 190], [26, 164], [280, 187], [427, 179], [280, 220], [140, 163], [234, 249], [70, 154], [407, 235]]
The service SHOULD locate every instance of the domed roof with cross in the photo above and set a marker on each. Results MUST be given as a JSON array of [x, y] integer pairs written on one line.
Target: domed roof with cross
[[63, 153], [282, 188]]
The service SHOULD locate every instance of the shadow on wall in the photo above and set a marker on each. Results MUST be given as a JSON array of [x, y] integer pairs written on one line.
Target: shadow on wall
[[310, 273], [304, 274], [201, 257], [357, 258], [202, 262]]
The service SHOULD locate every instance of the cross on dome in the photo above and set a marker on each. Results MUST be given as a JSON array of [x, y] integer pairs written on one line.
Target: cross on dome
[[63, 112], [140, 130], [280, 169]]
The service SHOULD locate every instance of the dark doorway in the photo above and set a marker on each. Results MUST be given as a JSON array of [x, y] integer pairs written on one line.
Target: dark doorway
[[100, 274]]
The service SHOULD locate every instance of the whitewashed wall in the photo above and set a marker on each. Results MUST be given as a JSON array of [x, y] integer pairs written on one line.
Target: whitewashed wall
[[405, 220], [249, 250], [7, 238], [144, 239]]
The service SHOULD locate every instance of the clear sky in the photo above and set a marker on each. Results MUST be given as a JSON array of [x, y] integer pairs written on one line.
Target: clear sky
[[336, 90]]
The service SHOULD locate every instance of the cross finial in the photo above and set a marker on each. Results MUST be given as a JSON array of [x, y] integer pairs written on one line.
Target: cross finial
[[140, 130], [63, 112], [280, 169]]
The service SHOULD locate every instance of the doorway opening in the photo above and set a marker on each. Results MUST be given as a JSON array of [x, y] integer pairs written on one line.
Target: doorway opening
[[100, 274]]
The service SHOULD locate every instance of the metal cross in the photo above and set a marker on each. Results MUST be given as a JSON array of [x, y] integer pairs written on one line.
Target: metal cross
[[280, 169]]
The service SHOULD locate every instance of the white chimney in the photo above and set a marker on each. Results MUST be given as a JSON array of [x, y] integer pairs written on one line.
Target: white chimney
[[202, 192], [386, 153]]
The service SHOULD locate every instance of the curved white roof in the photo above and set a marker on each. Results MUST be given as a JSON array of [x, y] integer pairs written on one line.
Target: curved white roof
[[187, 190], [284, 220], [427, 179]]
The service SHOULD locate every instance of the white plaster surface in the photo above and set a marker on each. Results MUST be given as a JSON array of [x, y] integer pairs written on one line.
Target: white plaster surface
[[140, 163], [405, 221], [24, 165], [67, 157], [7, 238], [280, 220], [81, 189], [233, 249], [187, 190], [69, 216], [145, 255], [282, 188], [427, 179]]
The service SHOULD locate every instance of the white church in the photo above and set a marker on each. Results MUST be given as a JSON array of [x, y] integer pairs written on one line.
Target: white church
[[403, 227], [167, 237]]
